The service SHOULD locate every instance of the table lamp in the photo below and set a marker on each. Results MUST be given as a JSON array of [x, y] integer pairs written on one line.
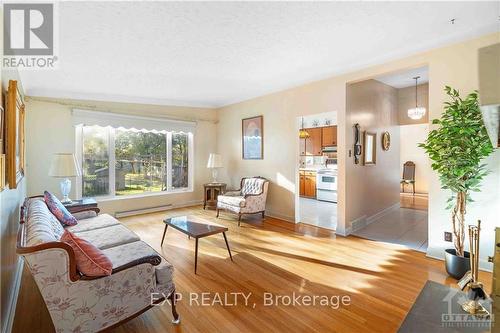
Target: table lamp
[[214, 163], [64, 165]]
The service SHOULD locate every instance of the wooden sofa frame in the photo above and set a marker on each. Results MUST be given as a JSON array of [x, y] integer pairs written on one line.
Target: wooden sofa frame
[[75, 275]]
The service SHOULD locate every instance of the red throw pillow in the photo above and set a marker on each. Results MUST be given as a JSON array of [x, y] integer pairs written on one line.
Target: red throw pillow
[[90, 261]]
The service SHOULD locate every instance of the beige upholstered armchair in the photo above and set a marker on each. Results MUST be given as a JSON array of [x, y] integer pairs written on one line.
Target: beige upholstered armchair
[[249, 199]]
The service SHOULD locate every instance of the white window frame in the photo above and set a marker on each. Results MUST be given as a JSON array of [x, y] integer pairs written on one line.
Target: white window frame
[[112, 164]]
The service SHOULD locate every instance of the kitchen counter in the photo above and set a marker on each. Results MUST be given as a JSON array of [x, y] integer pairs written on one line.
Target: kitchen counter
[[317, 168], [309, 169]]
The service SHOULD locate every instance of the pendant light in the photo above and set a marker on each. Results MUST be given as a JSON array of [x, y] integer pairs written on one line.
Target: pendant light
[[302, 132], [416, 112]]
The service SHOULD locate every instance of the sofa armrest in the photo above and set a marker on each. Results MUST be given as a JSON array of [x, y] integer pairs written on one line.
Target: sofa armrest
[[106, 301], [87, 209], [85, 213], [54, 254], [154, 260]]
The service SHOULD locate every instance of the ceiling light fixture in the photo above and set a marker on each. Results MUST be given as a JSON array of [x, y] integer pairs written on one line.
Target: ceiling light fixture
[[416, 112], [302, 132]]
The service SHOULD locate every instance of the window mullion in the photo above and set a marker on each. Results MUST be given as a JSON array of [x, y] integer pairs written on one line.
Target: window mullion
[[190, 161], [169, 161], [79, 157], [112, 162]]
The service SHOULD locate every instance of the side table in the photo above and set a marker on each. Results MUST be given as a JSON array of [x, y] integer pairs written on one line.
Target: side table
[[210, 193], [78, 205]]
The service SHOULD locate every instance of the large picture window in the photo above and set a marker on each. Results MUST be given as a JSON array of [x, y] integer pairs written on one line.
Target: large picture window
[[121, 162]]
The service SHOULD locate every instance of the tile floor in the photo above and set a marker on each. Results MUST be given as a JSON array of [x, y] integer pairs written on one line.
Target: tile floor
[[404, 226], [318, 213]]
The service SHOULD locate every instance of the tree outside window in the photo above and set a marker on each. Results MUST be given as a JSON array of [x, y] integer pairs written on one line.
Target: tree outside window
[[139, 159], [179, 160]]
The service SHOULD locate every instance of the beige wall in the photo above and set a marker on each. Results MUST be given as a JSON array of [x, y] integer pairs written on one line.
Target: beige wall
[[373, 105], [281, 152], [406, 100], [55, 115], [410, 137], [454, 65], [10, 201]]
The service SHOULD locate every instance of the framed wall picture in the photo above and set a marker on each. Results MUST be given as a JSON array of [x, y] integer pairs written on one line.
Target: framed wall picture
[[369, 148], [253, 138], [2, 124], [2, 156], [386, 141], [14, 136]]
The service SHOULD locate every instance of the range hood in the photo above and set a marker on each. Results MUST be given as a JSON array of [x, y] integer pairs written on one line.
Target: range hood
[[329, 149], [489, 90]]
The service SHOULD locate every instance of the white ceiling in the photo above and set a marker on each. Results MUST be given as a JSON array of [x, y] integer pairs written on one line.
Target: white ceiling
[[217, 53], [405, 79]]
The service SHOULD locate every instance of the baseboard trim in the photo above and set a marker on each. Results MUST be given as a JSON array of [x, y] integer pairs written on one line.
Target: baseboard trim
[[157, 208], [417, 194], [363, 221], [357, 224], [9, 322], [383, 212], [280, 216], [346, 233]]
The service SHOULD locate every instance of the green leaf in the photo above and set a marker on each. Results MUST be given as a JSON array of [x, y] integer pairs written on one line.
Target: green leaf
[[459, 144]]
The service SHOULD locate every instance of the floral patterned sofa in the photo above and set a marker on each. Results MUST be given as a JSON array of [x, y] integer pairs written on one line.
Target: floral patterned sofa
[[249, 199], [77, 303]]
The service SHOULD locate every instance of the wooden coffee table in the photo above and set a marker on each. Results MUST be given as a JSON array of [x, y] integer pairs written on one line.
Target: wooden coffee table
[[196, 228]]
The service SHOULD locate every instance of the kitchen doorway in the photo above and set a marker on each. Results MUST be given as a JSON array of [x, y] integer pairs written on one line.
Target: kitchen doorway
[[317, 173]]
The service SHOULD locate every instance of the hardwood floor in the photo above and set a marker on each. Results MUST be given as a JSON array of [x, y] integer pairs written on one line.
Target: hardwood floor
[[382, 280], [418, 202]]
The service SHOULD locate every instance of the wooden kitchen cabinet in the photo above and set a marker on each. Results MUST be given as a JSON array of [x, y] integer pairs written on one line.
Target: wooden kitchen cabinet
[[313, 142], [319, 137], [302, 184], [329, 136], [307, 184]]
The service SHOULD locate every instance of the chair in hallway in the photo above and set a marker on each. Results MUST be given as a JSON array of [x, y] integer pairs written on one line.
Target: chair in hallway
[[408, 176]]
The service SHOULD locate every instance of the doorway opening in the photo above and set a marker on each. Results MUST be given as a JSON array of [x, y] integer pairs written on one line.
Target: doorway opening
[[317, 172], [406, 223]]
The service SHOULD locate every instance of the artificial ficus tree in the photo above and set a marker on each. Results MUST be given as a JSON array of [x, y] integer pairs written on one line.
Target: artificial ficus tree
[[456, 148]]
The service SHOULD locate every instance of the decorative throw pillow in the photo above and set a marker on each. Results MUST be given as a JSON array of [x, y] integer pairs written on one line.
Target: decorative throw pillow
[[58, 209], [90, 261]]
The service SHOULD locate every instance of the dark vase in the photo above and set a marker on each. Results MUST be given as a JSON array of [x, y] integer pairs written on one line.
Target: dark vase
[[456, 266]]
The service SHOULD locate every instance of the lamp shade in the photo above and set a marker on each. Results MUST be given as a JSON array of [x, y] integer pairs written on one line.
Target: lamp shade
[[64, 165], [214, 161]]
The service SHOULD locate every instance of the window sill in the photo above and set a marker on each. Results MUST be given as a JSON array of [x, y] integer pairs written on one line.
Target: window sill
[[142, 195]]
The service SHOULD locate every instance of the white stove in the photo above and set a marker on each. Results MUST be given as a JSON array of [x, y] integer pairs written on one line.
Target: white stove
[[326, 185]]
